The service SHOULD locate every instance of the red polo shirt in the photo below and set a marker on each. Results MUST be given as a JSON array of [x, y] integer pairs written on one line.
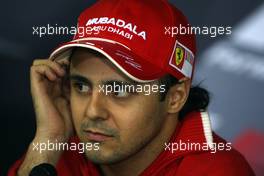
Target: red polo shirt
[[194, 130]]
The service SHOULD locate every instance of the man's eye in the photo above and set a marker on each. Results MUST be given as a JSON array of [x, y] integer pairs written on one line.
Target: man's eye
[[121, 94], [82, 88]]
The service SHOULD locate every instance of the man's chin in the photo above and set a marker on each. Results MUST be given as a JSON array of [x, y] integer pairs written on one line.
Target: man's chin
[[109, 152], [102, 157]]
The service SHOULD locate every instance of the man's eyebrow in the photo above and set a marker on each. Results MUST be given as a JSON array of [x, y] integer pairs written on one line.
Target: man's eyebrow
[[111, 82], [80, 78]]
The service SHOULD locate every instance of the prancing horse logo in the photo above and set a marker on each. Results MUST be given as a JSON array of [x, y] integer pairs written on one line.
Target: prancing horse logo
[[179, 55]]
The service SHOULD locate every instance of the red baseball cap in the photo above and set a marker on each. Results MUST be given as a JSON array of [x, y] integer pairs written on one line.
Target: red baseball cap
[[137, 36]]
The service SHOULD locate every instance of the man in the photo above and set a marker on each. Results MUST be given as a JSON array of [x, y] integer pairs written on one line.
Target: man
[[122, 89]]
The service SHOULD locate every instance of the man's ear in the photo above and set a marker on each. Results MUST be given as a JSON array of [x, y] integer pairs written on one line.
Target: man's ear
[[177, 95]]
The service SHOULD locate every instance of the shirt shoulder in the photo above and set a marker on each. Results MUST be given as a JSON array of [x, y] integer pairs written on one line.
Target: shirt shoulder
[[225, 162]]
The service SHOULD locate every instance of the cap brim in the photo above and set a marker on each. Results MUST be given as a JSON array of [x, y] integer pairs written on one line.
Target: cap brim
[[136, 68]]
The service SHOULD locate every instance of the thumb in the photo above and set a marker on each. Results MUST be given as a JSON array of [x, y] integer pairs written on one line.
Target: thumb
[[64, 108]]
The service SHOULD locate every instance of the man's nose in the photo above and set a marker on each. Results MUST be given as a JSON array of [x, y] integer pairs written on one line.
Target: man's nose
[[96, 107]]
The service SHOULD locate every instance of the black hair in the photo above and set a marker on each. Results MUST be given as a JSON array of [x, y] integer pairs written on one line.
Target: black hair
[[197, 100]]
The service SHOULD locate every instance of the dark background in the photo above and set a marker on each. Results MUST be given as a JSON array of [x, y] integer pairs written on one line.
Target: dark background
[[237, 93]]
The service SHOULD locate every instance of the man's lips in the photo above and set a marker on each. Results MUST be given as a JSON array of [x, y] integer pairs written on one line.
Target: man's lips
[[94, 135]]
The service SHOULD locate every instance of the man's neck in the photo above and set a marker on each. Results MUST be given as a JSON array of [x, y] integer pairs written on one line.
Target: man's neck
[[142, 159]]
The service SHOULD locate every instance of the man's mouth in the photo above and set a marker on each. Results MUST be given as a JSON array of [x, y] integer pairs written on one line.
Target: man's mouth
[[97, 136]]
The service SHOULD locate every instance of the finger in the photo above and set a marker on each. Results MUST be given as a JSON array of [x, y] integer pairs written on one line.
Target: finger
[[39, 62], [63, 62], [57, 68], [64, 107], [44, 70], [65, 87], [44, 61], [57, 86]]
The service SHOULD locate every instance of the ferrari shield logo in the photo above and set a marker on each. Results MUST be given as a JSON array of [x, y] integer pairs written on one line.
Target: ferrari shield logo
[[182, 59], [179, 55]]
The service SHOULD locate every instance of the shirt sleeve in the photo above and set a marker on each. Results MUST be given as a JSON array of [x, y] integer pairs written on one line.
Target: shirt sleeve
[[14, 168]]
